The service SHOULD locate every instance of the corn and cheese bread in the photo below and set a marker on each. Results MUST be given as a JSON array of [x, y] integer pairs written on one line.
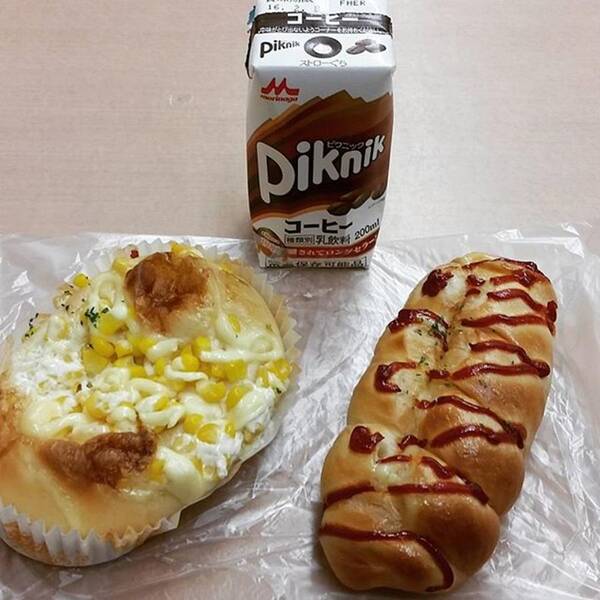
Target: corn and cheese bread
[[138, 394]]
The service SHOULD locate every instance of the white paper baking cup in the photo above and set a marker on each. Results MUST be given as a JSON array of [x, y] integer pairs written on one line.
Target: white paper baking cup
[[55, 547]]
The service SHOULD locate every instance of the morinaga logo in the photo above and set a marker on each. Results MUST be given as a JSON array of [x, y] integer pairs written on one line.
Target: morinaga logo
[[276, 46], [279, 91], [312, 166]]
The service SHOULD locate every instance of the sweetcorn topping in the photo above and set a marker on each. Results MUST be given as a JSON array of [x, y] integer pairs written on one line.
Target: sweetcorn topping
[[93, 408], [263, 376], [156, 469], [81, 280], [201, 390], [137, 371], [93, 362], [281, 368], [217, 371], [121, 265], [134, 340], [176, 371], [201, 343], [123, 348], [177, 248], [144, 344], [183, 443], [101, 346], [189, 361], [159, 366], [235, 394], [192, 423], [176, 385], [109, 324], [236, 370], [214, 392], [235, 323], [209, 433], [162, 403], [124, 362]]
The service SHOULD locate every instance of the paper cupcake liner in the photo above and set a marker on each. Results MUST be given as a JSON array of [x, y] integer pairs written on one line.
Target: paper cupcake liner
[[55, 547]]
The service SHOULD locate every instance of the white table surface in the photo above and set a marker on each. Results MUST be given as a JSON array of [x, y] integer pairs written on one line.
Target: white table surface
[[129, 116]]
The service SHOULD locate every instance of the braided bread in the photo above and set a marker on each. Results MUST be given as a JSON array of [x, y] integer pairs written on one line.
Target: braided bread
[[439, 428]]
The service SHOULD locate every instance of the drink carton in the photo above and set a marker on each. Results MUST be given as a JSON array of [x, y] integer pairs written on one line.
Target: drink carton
[[319, 123]]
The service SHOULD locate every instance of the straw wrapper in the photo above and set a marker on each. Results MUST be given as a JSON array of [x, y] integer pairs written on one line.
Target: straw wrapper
[[55, 547]]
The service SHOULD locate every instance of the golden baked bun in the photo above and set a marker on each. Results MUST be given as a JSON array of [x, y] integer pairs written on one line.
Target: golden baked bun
[[138, 395], [439, 428]]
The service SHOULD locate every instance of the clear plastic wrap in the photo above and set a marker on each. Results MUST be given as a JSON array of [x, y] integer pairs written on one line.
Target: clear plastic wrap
[[69, 548], [256, 536]]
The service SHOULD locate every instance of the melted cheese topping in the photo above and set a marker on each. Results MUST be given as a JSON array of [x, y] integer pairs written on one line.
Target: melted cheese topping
[[92, 368]]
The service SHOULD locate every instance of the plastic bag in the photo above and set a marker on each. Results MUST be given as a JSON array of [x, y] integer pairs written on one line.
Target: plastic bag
[[256, 536]]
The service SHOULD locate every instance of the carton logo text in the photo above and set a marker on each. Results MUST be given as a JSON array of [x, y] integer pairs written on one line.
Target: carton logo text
[[312, 166], [279, 91], [276, 46]]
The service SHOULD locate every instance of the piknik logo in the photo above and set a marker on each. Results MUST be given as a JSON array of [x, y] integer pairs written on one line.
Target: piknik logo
[[280, 91], [276, 46], [315, 164]]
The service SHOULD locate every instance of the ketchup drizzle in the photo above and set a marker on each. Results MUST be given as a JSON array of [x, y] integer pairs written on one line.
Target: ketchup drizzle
[[527, 367], [482, 368], [440, 487], [385, 372], [395, 458], [542, 368], [438, 374], [463, 431], [516, 431], [522, 276], [473, 292], [511, 321], [443, 472], [475, 281], [514, 293], [411, 316], [436, 282], [411, 440], [357, 535], [527, 274], [347, 492], [446, 472], [530, 265], [552, 311], [363, 441]]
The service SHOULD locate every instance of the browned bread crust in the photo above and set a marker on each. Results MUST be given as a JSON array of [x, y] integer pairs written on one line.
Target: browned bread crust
[[45, 485], [439, 428], [102, 485]]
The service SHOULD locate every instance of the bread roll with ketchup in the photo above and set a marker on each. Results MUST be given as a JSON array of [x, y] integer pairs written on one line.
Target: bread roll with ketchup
[[439, 428]]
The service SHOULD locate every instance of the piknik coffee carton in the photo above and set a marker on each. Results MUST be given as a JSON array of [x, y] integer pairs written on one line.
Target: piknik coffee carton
[[320, 116]]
